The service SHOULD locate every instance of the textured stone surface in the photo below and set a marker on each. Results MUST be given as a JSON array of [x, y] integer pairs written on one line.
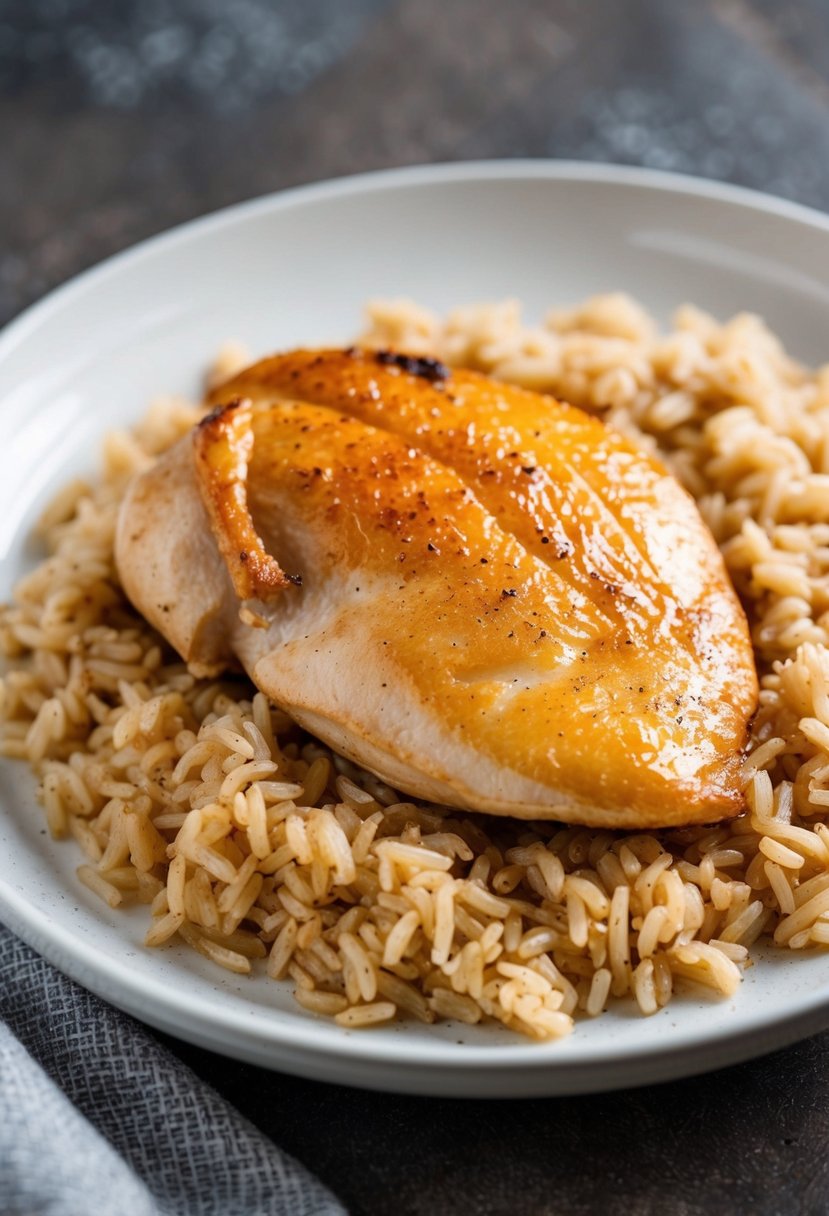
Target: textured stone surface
[[118, 120], [745, 1140]]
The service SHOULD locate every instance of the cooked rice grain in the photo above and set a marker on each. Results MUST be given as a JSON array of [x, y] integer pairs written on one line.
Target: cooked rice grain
[[250, 842]]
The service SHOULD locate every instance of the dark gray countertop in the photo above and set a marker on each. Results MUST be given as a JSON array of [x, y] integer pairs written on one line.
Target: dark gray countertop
[[120, 119]]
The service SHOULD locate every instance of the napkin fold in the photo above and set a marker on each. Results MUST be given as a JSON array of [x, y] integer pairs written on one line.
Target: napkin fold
[[98, 1117]]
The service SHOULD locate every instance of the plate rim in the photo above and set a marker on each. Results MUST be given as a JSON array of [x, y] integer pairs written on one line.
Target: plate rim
[[537, 169], [322, 1039]]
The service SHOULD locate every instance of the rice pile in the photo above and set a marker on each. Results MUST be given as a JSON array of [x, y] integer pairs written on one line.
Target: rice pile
[[249, 841]]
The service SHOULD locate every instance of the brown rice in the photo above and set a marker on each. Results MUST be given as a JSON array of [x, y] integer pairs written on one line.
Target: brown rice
[[256, 846]]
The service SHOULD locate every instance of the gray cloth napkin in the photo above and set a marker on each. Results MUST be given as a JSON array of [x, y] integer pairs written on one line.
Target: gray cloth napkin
[[98, 1117]]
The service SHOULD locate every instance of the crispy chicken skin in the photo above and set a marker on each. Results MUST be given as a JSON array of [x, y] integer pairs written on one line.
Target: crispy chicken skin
[[482, 595]]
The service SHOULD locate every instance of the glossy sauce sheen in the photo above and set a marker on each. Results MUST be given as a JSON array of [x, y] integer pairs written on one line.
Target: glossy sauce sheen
[[504, 605]]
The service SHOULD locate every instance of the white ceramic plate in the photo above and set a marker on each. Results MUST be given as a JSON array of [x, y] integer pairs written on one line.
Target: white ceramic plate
[[293, 269]]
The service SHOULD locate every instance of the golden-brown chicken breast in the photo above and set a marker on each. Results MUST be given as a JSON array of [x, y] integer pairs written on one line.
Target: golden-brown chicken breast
[[480, 594]]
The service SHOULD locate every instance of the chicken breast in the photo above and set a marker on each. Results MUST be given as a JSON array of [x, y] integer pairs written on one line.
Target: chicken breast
[[482, 595]]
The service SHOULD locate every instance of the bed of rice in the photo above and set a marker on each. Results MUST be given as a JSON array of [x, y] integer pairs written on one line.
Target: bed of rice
[[248, 841]]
